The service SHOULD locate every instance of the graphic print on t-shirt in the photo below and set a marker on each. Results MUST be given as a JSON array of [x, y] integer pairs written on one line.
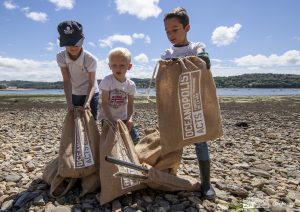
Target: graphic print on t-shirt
[[117, 98]]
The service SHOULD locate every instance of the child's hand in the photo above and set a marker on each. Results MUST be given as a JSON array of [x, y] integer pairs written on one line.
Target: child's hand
[[70, 107], [87, 106], [129, 124]]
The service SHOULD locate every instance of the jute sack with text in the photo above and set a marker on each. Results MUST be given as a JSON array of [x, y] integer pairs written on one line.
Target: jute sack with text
[[115, 141], [79, 146], [59, 186], [162, 173], [187, 103], [149, 151]]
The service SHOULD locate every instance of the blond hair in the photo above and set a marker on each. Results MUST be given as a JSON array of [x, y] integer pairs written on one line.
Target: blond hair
[[120, 51]]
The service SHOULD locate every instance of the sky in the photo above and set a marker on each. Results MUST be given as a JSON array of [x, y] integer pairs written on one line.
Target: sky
[[241, 36]]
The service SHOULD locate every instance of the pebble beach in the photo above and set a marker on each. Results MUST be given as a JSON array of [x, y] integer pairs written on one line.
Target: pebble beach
[[255, 165]]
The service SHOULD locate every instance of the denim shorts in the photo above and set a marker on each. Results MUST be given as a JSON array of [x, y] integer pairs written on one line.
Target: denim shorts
[[78, 100]]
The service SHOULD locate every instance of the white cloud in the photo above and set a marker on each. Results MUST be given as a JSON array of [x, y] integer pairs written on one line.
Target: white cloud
[[289, 58], [223, 35], [50, 46], [147, 39], [141, 58], [141, 9], [138, 35], [155, 59], [10, 5], [140, 71], [222, 70], [91, 44], [137, 70], [102, 65], [24, 69], [36, 16], [141, 36], [215, 60], [63, 4], [125, 39], [25, 9]]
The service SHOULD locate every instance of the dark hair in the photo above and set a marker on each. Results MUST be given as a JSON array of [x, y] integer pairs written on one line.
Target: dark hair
[[180, 13]]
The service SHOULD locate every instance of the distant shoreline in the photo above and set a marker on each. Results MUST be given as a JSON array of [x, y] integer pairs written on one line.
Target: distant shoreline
[[19, 89], [152, 92]]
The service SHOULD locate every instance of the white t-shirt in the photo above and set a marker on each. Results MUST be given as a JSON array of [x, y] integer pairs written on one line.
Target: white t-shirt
[[190, 50], [79, 69], [118, 96]]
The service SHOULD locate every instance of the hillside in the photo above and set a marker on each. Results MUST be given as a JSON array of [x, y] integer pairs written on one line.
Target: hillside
[[240, 81]]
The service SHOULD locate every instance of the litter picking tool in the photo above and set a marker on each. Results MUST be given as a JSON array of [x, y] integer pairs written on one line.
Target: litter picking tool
[[126, 164]]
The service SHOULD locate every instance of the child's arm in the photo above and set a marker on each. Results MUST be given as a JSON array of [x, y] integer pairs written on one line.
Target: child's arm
[[204, 56], [201, 53], [91, 89], [129, 122], [105, 105], [67, 86]]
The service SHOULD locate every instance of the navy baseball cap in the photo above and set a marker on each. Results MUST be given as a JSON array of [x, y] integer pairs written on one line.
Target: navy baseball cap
[[70, 33]]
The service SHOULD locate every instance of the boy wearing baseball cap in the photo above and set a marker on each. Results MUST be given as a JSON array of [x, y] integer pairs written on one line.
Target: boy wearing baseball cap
[[78, 68]]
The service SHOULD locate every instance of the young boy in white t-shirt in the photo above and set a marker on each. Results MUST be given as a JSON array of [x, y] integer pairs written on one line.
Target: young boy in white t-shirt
[[177, 26], [118, 92], [78, 68]]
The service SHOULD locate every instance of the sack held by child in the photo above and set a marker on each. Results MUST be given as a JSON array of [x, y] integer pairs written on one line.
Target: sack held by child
[[79, 146], [187, 104]]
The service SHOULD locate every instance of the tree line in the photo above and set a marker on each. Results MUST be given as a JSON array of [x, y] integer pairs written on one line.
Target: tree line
[[240, 81]]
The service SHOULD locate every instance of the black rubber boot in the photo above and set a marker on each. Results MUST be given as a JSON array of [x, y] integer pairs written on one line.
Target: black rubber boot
[[207, 190]]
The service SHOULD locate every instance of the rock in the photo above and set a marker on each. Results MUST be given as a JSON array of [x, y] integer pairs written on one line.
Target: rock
[[177, 207], [39, 201], [7, 205], [209, 206], [147, 199], [171, 198], [241, 165], [242, 124], [24, 198], [258, 172], [272, 135], [268, 190], [297, 202], [116, 206], [30, 166], [233, 189], [13, 178], [293, 195]]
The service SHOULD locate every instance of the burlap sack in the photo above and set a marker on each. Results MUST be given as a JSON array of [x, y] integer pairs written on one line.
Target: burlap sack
[[162, 180], [163, 168], [59, 186], [90, 183], [115, 141], [78, 151], [187, 104], [149, 151]]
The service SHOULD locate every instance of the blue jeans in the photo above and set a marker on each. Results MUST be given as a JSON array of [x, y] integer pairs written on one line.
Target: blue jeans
[[202, 151], [78, 100], [134, 135]]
